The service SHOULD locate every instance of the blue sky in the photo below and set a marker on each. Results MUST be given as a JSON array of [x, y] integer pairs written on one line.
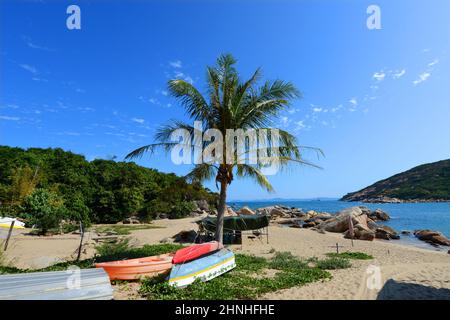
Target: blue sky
[[376, 101]]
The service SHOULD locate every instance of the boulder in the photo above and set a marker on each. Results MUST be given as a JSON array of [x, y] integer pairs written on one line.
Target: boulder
[[276, 212], [265, 210], [230, 212], [406, 232], [131, 220], [167, 240], [365, 235], [387, 233], [360, 234], [309, 224], [340, 222], [185, 236], [312, 213], [379, 215], [432, 237], [372, 224], [202, 205], [323, 216], [245, 211]]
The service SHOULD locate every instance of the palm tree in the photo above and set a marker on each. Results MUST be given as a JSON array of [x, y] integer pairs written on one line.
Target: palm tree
[[231, 104]]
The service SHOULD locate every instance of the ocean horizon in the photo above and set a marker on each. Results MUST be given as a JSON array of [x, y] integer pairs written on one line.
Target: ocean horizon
[[404, 216]]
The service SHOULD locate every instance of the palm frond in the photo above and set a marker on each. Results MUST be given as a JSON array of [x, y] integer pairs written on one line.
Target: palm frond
[[245, 170], [201, 172], [192, 100]]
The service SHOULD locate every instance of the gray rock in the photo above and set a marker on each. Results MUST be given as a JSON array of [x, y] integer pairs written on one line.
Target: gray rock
[[340, 222], [432, 237], [245, 211]]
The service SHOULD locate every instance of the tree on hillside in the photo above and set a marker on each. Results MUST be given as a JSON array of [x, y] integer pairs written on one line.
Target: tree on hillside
[[230, 103]]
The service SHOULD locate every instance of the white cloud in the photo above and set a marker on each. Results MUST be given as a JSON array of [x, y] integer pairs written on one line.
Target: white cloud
[[399, 74], [294, 110], [164, 93], [29, 68], [423, 77], [138, 120], [379, 76], [353, 101], [299, 125], [435, 61], [33, 45], [69, 133], [317, 109], [176, 64], [9, 118], [335, 109], [185, 77], [39, 79]]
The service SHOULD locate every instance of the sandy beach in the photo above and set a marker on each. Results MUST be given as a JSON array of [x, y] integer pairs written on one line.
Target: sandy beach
[[406, 272]]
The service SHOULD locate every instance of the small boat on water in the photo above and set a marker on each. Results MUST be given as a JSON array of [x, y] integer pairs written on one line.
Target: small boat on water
[[134, 269], [5, 222], [204, 268], [195, 251]]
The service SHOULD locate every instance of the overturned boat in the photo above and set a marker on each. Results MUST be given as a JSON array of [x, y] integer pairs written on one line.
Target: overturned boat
[[135, 269], [204, 268]]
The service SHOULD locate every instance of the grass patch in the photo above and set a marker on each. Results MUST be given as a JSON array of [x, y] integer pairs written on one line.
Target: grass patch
[[286, 261], [333, 263], [240, 283], [350, 255], [124, 229]]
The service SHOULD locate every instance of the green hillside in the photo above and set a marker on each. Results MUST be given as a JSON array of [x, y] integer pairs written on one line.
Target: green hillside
[[428, 182], [56, 183]]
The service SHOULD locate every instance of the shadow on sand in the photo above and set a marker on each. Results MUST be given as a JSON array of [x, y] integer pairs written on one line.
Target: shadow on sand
[[393, 290]]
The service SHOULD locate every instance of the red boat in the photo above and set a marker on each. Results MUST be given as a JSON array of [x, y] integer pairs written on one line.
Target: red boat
[[193, 252]]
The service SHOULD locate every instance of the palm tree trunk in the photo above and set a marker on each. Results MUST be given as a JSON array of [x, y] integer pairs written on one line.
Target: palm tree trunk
[[221, 211]]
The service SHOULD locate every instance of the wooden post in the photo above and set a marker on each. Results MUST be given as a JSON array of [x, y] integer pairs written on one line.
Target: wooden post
[[81, 241], [9, 235], [337, 248]]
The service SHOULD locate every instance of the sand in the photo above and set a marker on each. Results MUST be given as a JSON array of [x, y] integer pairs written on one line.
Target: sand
[[403, 272]]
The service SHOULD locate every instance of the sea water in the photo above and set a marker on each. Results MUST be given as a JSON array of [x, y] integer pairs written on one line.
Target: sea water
[[404, 216]]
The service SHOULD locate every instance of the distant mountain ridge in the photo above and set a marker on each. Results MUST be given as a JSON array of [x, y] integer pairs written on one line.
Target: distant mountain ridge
[[425, 183]]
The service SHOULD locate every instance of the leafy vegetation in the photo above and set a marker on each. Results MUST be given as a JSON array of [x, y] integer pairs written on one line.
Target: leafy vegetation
[[249, 280], [350, 255], [333, 263], [45, 186], [124, 229], [425, 182]]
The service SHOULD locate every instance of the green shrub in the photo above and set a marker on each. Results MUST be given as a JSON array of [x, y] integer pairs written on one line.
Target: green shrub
[[285, 260], [333, 263], [351, 255], [180, 209], [44, 209]]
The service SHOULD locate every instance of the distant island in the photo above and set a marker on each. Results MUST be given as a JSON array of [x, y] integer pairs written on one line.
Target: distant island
[[425, 183]]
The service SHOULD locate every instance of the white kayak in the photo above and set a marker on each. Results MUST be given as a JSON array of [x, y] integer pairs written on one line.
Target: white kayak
[[5, 222]]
